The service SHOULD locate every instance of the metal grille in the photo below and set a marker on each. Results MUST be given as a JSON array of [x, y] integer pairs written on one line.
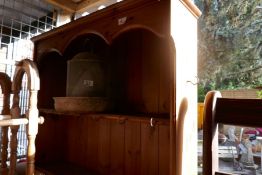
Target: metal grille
[[19, 21]]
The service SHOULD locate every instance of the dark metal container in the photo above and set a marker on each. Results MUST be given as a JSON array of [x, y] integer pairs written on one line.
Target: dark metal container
[[86, 76]]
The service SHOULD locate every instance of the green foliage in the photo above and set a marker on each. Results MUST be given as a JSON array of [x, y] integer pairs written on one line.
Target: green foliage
[[259, 94], [203, 89], [230, 44], [201, 94]]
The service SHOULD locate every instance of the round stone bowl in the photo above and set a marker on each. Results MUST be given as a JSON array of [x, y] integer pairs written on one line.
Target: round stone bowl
[[80, 104]]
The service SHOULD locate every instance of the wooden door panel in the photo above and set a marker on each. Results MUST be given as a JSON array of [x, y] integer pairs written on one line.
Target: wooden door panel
[[73, 140], [77, 137], [149, 149], [47, 148], [164, 143], [103, 154], [117, 147], [132, 148], [92, 144], [108, 145]]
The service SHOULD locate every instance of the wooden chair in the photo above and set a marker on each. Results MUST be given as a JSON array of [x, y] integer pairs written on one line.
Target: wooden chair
[[5, 84], [13, 121], [243, 112]]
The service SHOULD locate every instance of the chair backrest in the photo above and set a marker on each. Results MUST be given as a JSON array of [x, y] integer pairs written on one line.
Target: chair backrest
[[13, 121], [218, 110]]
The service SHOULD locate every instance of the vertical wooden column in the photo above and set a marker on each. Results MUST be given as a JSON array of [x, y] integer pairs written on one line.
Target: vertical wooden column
[[5, 83], [15, 113], [4, 146], [32, 129], [27, 67]]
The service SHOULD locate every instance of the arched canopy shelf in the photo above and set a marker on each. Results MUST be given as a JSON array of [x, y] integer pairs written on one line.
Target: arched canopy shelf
[[107, 23], [136, 27], [139, 66], [87, 42], [46, 53]]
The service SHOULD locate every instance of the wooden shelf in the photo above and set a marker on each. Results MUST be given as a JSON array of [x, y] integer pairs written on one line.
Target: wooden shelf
[[145, 118]]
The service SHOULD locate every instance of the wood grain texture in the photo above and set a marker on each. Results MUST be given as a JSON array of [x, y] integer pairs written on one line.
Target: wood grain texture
[[105, 144], [210, 135], [246, 112], [132, 148], [104, 147], [138, 53], [138, 13], [73, 138], [141, 80], [149, 148], [92, 144], [50, 147], [52, 71], [117, 147], [164, 151]]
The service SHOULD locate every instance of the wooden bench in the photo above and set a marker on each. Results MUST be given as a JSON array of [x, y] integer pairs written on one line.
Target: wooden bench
[[218, 110]]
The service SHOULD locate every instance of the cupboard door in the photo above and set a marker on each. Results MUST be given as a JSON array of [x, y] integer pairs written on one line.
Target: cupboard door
[[47, 149], [76, 139], [117, 147], [164, 136], [92, 144], [149, 148], [104, 147], [132, 148]]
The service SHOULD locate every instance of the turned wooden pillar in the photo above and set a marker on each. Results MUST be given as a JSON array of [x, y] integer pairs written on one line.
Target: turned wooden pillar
[[4, 153], [5, 83], [32, 129], [15, 113], [29, 68]]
